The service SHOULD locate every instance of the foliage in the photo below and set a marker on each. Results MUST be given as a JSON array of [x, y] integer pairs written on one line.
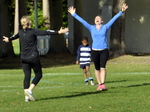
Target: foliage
[[30, 11], [65, 13], [41, 20], [11, 9]]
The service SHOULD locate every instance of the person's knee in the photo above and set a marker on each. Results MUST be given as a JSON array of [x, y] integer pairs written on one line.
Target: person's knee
[[84, 71], [103, 65], [87, 69], [97, 68], [40, 76], [102, 69]]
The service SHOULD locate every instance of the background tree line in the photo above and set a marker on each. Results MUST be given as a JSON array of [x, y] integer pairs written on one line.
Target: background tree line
[[12, 10], [52, 15]]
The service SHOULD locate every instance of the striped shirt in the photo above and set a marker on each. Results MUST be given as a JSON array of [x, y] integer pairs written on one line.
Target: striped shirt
[[84, 54]]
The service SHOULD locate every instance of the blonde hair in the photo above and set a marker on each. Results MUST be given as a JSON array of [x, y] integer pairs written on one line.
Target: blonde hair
[[25, 22]]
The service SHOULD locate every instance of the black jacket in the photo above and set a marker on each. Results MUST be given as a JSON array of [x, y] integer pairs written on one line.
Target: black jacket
[[28, 41]]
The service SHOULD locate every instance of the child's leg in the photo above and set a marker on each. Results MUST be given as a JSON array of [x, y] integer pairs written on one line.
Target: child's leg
[[84, 72], [85, 76], [89, 74], [88, 71]]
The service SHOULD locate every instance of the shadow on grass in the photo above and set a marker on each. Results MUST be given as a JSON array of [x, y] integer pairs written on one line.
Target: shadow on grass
[[137, 85], [77, 94], [116, 81]]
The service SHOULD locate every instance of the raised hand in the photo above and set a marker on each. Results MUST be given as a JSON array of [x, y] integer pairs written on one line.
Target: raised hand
[[71, 10], [5, 39], [124, 7]]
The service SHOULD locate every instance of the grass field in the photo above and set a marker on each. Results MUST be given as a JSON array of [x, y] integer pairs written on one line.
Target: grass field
[[16, 47], [62, 88]]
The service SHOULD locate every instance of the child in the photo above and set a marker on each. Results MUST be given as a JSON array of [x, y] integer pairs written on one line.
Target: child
[[83, 58]]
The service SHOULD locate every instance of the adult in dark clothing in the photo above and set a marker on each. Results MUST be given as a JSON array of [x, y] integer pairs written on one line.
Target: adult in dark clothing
[[29, 53]]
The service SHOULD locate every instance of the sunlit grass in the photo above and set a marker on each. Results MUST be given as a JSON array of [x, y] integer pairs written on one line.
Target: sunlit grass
[[16, 46], [62, 87]]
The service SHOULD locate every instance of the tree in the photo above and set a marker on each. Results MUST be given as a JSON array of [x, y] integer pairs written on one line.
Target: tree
[[22, 10], [16, 21], [57, 43], [117, 38], [6, 49], [46, 14]]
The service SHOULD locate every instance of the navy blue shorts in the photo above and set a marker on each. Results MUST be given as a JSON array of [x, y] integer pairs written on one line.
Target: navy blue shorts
[[84, 65]]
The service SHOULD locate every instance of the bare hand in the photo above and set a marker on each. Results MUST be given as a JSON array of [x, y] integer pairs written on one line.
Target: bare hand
[[65, 30], [77, 62], [5, 39], [71, 10], [124, 7]]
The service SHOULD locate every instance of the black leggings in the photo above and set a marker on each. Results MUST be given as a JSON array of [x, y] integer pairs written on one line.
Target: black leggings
[[27, 65], [100, 58]]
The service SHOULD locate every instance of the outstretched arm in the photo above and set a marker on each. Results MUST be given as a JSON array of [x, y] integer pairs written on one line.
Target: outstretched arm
[[72, 11], [6, 39], [123, 9], [51, 32]]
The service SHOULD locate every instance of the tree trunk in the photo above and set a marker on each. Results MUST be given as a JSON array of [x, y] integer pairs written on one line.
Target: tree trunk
[[6, 49], [117, 38], [57, 42], [16, 24], [75, 27], [46, 14], [22, 10]]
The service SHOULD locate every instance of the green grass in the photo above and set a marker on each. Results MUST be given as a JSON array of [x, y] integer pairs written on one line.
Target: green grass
[[62, 88], [16, 46]]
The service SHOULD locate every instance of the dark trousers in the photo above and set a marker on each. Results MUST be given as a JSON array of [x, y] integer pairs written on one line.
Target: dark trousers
[[27, 65]]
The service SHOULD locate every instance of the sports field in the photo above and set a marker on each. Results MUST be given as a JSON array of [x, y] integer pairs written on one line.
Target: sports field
[[62, 87]]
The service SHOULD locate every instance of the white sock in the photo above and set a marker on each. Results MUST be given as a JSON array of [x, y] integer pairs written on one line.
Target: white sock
[[26, 97], [29, 91]]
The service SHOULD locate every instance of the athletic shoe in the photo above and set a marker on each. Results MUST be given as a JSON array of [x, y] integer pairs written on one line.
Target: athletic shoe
[[29, 94], [86, 83], [101, 87], [27, 99], [92, 82]]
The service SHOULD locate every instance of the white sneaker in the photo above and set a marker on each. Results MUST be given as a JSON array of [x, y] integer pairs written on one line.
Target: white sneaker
[[27, 99], [86, 83], [92, 83], [29, 94]]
